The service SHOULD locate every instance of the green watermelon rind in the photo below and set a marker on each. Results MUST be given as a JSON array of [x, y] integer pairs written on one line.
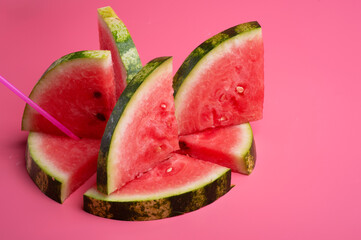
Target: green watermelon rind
[[124, 102], [92, 54], [128, 53], [250, 158], [103, 56], [153, 208], [51, 181], [247, 154], [205, 49]]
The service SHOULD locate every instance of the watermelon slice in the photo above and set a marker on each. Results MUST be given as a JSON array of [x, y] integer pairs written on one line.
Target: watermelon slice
[[232, 147], [142, 130], [221, 81], [114, 36], [78, 90], [178, 185], [59, 165]]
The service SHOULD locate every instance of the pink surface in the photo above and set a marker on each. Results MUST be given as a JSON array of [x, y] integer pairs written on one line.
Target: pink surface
[[306, 184]]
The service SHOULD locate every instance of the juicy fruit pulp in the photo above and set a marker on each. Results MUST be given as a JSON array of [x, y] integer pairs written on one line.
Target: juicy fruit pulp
[[175, 186], [78, 90], [144, 180], [142, 129], [232, 147], [59, 165], [221, 81], [114, 36]]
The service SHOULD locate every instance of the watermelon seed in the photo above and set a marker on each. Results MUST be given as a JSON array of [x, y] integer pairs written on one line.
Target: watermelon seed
[[183, 145], [222, 97], [240, 89], [169, 169], [97, 94], [163, 106], [222, 119], [101, 117], [159, 149]]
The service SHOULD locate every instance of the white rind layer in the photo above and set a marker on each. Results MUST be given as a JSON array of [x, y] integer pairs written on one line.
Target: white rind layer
[[190, 186], [42, 160], [128, 115]]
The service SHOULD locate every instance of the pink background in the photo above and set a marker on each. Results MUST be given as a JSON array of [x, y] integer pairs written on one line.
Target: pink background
[[307, 182]]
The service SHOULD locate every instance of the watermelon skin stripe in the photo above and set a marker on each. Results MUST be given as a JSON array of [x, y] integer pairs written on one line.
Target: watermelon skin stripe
[[153, 209], [206, 47], [250, 159], [122, 103], [127, 51], [132, 67], [49, 185]]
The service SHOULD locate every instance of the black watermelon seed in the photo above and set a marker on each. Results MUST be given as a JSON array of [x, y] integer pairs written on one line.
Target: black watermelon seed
[[97, 94], [183, 145], [101, 117]]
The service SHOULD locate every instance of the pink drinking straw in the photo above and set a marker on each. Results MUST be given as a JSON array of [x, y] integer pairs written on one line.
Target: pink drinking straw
[[38, 109]]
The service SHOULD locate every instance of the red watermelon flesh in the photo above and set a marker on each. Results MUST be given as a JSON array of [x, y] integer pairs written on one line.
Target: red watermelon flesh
[[79, 93], [173, 176], [232, 147], [227, 88], [69, 161], [175, 173], [142, 130], [177, 185], [151, 140]]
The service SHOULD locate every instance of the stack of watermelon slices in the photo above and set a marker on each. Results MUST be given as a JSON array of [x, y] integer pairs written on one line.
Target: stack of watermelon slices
[[80, 90], [219, 89], [142, 174]]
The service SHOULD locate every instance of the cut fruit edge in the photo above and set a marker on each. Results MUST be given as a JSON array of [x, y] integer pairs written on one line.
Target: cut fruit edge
[[55, 80], [122, 119], [198, 63], [59, 182], [233, 147], [172, 201], [200, 57], [114, 36]]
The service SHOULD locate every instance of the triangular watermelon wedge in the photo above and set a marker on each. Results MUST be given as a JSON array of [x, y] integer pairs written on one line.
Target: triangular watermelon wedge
[[59, 165], [221, 83], [79, 91], [114, 36], [232, 147], [142, 130]]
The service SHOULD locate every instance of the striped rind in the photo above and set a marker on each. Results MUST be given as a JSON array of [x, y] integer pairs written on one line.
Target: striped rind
[[89, 54], [124, 102], [125, 45], [157, 208], [196, 56], [246, 152], [250, 158], [51, 181]]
